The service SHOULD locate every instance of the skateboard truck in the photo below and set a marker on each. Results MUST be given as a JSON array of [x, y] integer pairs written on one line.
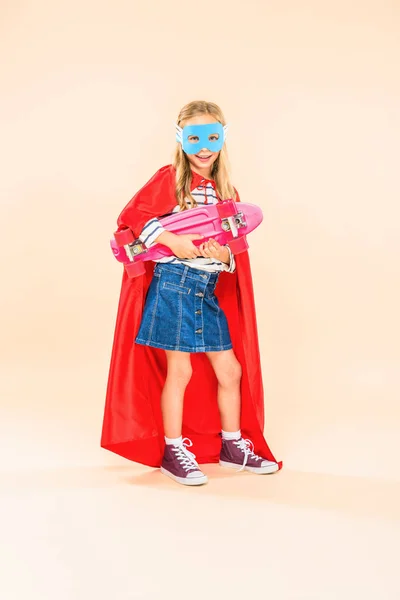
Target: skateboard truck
[[239, 221], [232, 220], [125, 240], [135, 248]]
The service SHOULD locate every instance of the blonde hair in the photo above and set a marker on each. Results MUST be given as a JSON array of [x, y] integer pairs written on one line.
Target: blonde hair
[[220, 169]]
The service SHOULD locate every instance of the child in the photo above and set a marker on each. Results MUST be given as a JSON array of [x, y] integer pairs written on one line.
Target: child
[[185, 357]]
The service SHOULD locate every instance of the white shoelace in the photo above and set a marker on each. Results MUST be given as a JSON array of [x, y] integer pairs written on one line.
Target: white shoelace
[[247, 447], [186, 458]]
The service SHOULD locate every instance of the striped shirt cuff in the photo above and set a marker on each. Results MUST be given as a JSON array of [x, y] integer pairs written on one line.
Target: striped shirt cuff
[[232, 264], [150, 232]]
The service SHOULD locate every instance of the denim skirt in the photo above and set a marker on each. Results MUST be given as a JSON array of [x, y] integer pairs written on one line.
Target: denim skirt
[[181, 311]]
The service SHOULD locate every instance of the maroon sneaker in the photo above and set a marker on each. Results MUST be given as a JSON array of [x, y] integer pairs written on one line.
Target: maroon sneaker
[[240, 453], [180, 464]]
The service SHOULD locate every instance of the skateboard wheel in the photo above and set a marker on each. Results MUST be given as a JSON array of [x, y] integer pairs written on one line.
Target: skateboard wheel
[[227, 209], [118, 251], [238, 245], [124, 237], [135, 269]]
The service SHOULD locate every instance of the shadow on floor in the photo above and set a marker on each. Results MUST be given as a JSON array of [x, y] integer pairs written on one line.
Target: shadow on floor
[[356, 496]]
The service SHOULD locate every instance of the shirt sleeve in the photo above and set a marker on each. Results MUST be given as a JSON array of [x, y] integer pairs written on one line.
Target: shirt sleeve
[[232, 264], [150, 232]]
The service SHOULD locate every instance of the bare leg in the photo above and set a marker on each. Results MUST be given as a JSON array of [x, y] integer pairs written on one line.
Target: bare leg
[[178, 376], [228, 372]]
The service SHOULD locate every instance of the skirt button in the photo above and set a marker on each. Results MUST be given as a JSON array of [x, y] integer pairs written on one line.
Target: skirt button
[[200, 294], [198, 312], [199, 330]]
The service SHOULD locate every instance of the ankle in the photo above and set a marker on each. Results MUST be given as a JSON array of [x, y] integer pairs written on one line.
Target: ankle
[[173, 441], [231, 435]]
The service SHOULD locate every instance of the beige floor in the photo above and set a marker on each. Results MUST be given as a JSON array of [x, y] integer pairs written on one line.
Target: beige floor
[[126, 532]]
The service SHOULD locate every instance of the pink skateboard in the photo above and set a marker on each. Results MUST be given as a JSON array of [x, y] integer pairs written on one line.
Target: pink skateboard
[[228, 222]]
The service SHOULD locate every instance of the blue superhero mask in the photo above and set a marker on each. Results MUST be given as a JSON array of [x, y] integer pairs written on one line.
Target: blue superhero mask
[[194, 138]]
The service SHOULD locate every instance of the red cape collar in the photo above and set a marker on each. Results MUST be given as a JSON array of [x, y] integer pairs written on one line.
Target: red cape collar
[[199, 180]]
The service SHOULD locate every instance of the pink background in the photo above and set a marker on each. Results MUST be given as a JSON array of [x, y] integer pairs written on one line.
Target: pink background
[[89, 95], [89, 92]]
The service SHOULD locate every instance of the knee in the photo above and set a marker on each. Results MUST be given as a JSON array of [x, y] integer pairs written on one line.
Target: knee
[[180, 373], [231, 375]]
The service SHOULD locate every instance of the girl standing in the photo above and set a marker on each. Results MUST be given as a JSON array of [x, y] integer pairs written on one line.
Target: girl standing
[[185, 358]]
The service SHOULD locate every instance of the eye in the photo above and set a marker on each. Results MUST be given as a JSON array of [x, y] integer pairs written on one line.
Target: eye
[[214, 137], [193, 139]]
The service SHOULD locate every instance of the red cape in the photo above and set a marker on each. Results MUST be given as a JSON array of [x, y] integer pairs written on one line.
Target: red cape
[[132, 425]]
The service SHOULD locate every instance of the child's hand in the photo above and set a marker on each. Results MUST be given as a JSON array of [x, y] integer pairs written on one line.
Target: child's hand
[[212, 249], [182, 245]]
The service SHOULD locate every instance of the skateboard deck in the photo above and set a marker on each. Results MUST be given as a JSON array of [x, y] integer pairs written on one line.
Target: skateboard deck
[[227, 222]]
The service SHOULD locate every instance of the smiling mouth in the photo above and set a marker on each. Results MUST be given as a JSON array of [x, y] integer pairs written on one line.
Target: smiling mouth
[[203, 157]]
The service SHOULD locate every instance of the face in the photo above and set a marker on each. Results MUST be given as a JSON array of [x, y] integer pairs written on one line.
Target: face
[[203, 160]]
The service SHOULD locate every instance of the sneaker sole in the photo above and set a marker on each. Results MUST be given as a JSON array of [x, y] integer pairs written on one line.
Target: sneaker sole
[[185, 481], [259, 470]]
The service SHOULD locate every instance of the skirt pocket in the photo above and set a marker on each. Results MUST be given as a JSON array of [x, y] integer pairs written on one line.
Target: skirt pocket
[[174, 287]]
